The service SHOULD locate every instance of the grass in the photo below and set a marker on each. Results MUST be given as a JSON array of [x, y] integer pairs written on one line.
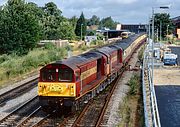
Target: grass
[[141, 53], [134, 84], [131, 110], [12, 66]]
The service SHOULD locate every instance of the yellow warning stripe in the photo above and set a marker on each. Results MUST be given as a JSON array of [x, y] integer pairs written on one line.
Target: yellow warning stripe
[[88, 73]]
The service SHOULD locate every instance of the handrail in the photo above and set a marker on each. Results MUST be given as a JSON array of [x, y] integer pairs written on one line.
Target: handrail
[[153, 115]]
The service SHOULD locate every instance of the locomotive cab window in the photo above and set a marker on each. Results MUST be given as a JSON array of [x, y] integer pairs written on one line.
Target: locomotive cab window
[[49, 75], [65, 75]]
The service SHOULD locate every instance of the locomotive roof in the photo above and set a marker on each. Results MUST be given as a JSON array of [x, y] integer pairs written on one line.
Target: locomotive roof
[[75, 61], [106, 50]]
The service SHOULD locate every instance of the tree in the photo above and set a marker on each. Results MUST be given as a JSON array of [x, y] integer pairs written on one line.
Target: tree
[[94, 20], [39, 14], [73, 21], [51, 20], [81, 26], [66, 30], [55, 26], [109, 23], [162, 21], [19, 28]]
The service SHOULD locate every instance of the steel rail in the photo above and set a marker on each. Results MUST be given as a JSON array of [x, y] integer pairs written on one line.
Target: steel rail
[[17, 91], [15, 112]]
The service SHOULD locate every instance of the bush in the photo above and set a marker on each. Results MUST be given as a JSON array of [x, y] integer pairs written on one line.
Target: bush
[[49, 46], [83, 47], [141, 54], [14, 66], [134, 84], [4, 58]]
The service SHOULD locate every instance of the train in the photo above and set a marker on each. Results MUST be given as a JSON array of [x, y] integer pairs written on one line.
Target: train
[[126, 34], [74, 81]]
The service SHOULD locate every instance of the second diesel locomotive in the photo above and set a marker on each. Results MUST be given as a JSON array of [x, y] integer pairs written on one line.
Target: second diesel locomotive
[[79, 78]]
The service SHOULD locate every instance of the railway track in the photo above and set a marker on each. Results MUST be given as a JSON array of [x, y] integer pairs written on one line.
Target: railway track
[[16, 117], [92, 114], [17, 91]]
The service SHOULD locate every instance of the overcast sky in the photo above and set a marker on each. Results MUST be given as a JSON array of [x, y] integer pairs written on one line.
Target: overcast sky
[[123, 11]]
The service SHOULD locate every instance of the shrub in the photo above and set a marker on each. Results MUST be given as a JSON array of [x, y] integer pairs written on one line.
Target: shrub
[[13, 66], [49, 46], [134, 84], [4, 58]]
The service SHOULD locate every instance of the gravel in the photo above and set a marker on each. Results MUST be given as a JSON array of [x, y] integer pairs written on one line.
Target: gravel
[[11, 105]]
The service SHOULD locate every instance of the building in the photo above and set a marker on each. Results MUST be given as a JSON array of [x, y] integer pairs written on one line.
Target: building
[[176, 22], [136, 28]]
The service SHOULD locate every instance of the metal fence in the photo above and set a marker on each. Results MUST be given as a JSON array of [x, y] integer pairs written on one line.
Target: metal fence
[[151, 113]]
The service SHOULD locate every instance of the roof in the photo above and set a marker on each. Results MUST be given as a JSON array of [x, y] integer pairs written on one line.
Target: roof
[[75, 61], [128, 41]]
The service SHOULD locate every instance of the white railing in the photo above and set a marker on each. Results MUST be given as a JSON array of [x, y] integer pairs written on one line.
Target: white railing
[[150, 102]]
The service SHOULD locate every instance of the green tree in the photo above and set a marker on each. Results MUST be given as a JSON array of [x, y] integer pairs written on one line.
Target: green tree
[[81, 25], [66, 30], [94, 20], [162, 21], [109, 23], [55, 26], [51, 20], [19, 28], [39, 15], [73, 21]]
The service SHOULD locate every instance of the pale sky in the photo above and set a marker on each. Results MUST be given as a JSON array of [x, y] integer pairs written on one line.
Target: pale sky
[[123, 11]]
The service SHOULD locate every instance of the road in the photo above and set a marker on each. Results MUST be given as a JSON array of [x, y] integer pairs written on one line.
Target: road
[[167, 88], [168, 98]]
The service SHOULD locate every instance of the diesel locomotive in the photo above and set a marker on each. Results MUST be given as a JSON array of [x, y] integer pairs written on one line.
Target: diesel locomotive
[[79, 78]]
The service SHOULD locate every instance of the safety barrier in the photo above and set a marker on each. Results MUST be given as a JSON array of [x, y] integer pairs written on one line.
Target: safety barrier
[[151, 113]]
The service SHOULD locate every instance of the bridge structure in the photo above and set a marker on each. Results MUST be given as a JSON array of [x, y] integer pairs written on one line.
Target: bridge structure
[[161, 88]]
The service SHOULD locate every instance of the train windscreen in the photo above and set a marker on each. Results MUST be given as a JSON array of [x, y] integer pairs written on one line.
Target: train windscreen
[[65, 75], [49, 75]]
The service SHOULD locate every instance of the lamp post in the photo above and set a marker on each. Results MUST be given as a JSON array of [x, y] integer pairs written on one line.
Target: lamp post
[[167, 31], [81, 31], [160, 30], [153, 8], [157, 39]]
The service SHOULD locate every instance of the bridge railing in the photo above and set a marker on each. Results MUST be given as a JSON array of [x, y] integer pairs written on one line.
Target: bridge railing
[[151, 113]]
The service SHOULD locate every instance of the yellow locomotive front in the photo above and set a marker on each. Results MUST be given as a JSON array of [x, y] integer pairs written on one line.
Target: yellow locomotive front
[[56, 83]]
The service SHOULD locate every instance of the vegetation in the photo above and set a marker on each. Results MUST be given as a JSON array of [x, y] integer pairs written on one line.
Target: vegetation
[[109, 23], [19, 28], [12, 65], [97, 42], [22, 25], [81, 26], [94, 20], [134, 84], [54, 25], [162, 21], [141, 54], [131, 110]]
